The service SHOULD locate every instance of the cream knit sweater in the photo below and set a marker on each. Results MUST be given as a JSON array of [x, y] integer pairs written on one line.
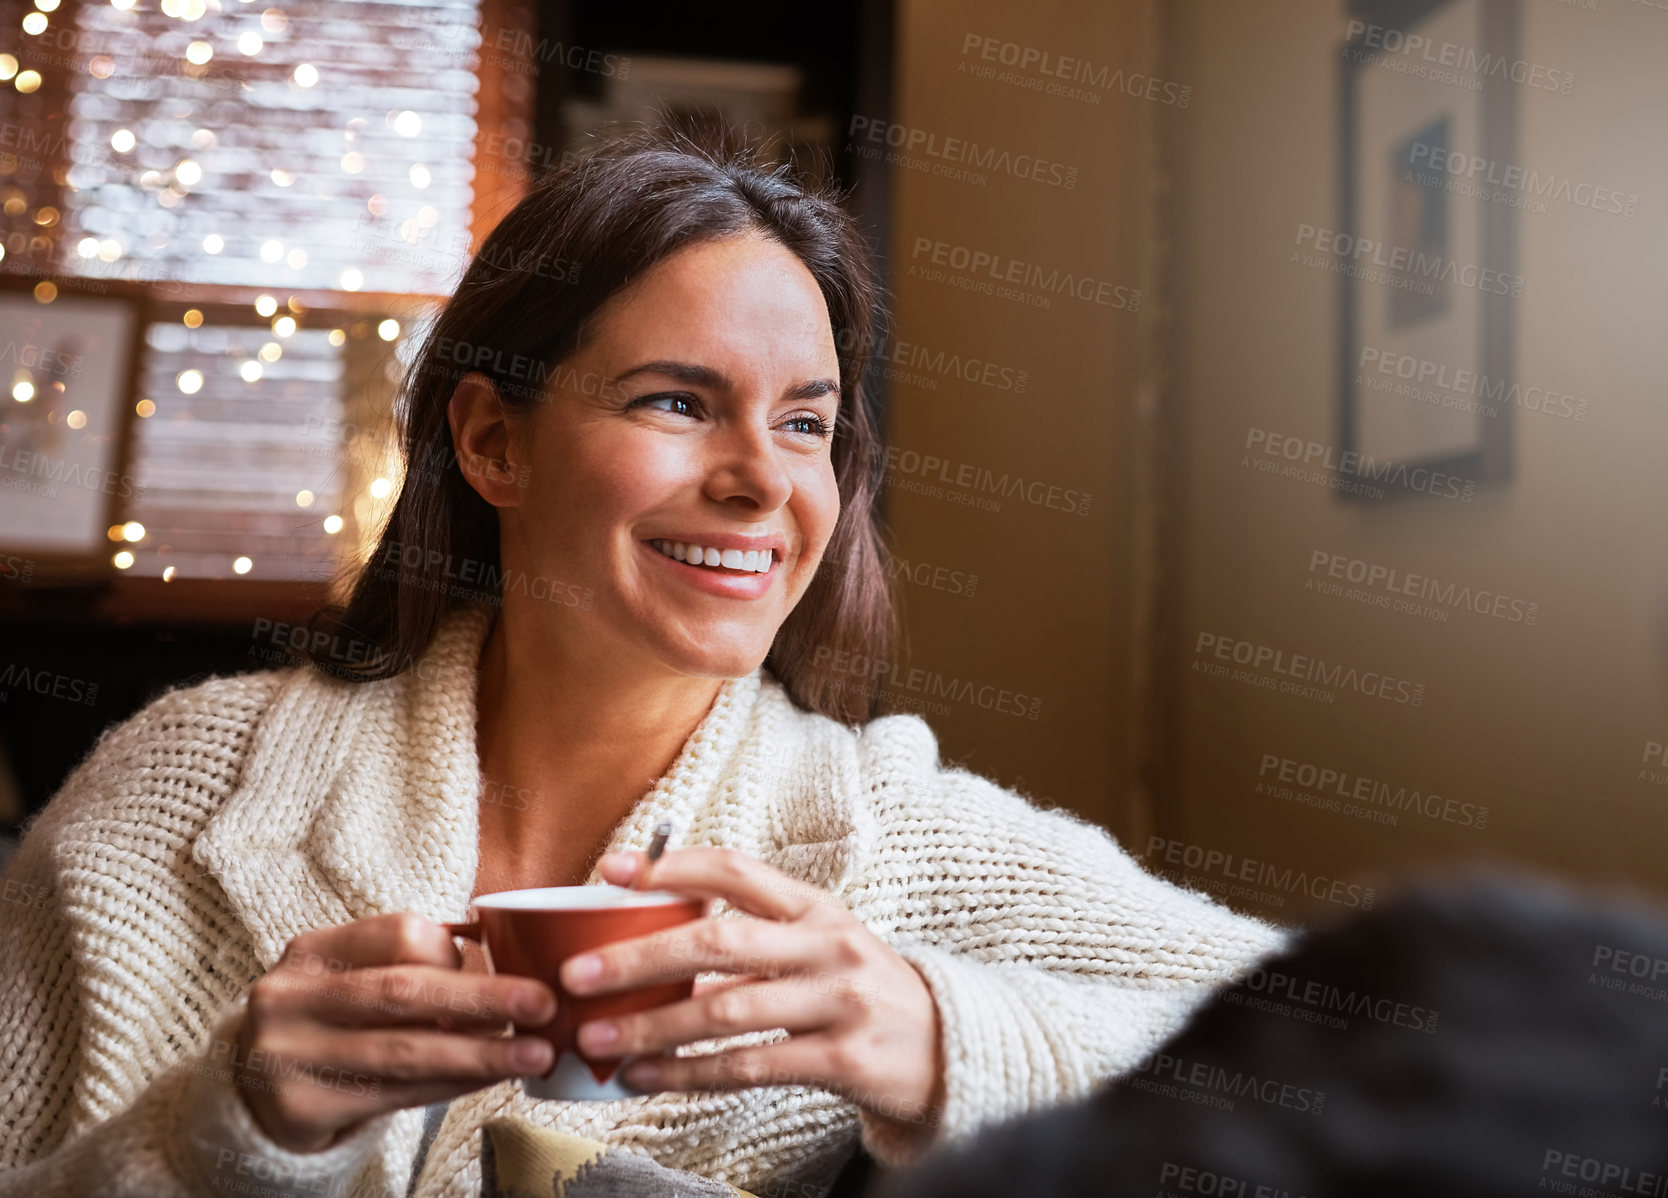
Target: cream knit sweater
[[202, 834]]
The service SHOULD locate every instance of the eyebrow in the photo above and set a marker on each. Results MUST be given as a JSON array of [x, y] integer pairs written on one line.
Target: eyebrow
[[696, 375]]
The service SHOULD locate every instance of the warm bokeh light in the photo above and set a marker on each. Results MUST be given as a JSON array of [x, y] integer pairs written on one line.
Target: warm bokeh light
[[388, 329], [332, 525], [213, 243], [123, 560], [265, 305], [381, 488], [122, 140], [144, 409], [133, 531], [23, 390], [190, 381], [193, 319], [284, 326], [242, 565], [27, 81], [306, 75], [76, 419], [304, 499], [251, 371], [46, 291]]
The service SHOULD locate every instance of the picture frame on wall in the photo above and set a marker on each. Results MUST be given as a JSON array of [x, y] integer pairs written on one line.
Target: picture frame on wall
[[1426, 248], [68, 367]]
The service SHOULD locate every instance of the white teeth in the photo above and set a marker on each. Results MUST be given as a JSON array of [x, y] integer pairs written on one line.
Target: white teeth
[[757, 561]]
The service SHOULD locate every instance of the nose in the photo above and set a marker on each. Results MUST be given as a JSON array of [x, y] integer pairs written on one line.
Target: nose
[[746, 467]]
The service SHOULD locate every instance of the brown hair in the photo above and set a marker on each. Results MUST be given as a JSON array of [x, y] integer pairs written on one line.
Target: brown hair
[[585, 231]]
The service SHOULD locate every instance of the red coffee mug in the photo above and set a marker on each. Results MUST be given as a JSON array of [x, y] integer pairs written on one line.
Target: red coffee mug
[[530, 933]]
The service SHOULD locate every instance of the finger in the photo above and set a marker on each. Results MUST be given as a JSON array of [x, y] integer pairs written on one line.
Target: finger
[[396, 1056], [753, 946], [401, 938], [791, 1004], [413, 994], [742, 881]]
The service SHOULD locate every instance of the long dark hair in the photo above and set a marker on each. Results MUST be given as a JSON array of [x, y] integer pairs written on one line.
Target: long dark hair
[[602, 219]]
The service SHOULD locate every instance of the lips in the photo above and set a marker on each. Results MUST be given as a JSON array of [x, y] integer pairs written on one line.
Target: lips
[[716, 558]]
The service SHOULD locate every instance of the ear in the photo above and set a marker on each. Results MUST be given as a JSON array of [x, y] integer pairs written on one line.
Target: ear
[[481, 440]]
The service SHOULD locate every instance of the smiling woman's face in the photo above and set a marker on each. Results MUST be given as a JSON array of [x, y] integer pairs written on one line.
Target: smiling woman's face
[[699, 413]]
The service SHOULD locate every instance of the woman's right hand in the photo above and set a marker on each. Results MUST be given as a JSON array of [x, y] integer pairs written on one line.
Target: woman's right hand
[[357, 1020]]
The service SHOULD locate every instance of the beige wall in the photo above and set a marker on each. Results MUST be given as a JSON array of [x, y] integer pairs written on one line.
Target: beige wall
[[1050, 616], [1545, 725]]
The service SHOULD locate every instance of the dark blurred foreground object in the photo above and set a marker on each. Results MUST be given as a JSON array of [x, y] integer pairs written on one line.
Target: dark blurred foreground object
[[1481, 1037]]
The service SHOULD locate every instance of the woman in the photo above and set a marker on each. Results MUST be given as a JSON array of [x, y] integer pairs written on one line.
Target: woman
[[638, 429]]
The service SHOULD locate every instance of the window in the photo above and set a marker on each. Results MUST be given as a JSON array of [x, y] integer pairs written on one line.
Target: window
[[288, 182]]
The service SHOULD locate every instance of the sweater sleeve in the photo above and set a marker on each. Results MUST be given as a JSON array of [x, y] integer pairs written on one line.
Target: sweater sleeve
[[87, 1108], [1056, 962]]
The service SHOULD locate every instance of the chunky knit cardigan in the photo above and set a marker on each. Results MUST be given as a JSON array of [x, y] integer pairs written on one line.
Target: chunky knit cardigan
[[199, 836]]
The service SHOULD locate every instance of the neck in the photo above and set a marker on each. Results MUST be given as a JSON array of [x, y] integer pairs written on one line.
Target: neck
[[572, 734]]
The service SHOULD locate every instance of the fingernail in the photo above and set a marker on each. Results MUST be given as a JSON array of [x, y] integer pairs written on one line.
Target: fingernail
[[531, 1055], [530, 1004], [582, 969], [600, 1034]]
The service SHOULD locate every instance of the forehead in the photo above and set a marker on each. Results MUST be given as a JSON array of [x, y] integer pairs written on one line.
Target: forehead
[[746, 295]]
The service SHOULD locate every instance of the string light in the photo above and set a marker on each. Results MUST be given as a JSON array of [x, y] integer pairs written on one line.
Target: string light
[[265, 305], [122, 560], [76, 419], [122, 141], [332, 525], [251, 371], [242, 565], [306, 75], [388, 329], [133, 531]]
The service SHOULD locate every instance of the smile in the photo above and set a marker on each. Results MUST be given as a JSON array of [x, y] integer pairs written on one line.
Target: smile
[[748, 562]]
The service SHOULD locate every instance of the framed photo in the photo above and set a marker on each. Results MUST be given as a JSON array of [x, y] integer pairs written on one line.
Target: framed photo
[[1425, 249], [68, 369]]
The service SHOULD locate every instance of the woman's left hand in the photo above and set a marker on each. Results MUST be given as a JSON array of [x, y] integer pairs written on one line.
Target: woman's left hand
[[861, 1021]]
